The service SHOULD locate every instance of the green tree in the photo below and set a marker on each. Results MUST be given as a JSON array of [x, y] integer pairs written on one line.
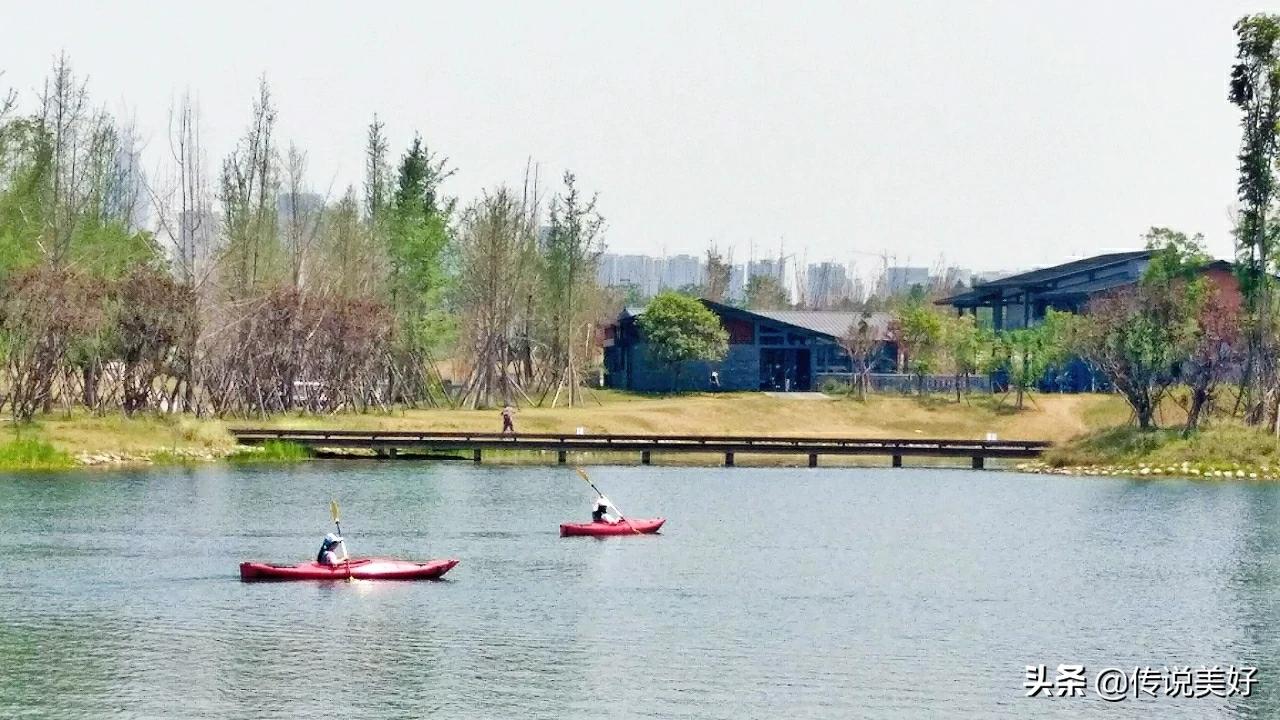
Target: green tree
[[764, 292], [969, 349], [1028, 353], [679, 329], [917, 328], [417, 238], [570, 255], [249, 189], [1141, 337], [1255, 90]]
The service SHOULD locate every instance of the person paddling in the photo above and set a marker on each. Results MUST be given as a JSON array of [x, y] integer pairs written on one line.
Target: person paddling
[[603, 511], [328, 554]]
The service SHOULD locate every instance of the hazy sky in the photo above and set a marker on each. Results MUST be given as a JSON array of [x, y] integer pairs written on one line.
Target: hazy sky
[[996, 134]]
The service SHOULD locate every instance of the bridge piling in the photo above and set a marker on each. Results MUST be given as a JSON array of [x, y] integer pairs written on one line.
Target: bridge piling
[[389, 443]]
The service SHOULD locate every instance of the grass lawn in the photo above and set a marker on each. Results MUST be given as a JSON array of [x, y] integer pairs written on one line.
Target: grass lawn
[[1057, 418], [1223, 445], [1052, 417]]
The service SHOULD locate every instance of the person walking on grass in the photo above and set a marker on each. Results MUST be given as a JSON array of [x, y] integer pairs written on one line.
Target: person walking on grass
[[508, 419]]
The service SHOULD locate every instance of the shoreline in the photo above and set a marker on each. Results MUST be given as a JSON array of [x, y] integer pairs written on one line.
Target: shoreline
[[243, 454], [1088, 432], [1184, 471]]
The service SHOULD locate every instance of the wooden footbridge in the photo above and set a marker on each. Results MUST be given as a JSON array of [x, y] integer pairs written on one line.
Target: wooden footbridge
[[402, 443]]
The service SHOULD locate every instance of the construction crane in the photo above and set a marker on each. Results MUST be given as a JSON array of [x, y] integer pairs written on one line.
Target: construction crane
[[885, 258]]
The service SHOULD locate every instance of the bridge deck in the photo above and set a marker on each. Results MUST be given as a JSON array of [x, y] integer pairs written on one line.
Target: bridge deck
[[392, 441]]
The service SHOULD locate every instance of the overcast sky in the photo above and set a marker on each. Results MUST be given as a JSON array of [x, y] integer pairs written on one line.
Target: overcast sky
[[994, 134]]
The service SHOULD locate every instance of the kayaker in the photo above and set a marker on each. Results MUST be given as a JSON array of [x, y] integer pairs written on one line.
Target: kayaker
[[604, 511], [328, 554]]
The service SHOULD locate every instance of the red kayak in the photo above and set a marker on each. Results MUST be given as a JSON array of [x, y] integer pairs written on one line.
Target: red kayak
[[359, 569], [600, 529]]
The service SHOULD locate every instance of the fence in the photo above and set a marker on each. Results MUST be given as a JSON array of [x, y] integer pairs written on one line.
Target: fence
[[907, 384]]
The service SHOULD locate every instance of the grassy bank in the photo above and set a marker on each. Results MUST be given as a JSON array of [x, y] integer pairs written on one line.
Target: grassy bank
[[1225, 448], [272, 451], [105, 440], [33, 454], [1090, 432]]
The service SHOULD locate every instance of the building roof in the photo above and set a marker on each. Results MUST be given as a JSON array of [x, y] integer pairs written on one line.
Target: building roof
[[1043, 276], [1056, 272], [1089, 288], [826, 322]]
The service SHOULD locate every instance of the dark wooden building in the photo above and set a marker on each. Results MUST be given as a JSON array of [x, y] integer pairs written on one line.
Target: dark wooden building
[[1022, 300], [783, 350]]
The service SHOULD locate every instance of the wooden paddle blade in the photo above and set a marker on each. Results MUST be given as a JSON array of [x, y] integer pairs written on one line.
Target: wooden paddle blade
[[333, 510]]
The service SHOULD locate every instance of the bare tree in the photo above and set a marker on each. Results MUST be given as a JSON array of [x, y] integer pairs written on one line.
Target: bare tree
[[302, 214], [862, 343], [74, 136], [181, 201], [183, 208], [250, 180], [496, 248], [719, 274], [570, 253]]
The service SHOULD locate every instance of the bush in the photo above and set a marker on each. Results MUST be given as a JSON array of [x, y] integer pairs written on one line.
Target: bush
[[272, 451], [33, 454], [832, 386]]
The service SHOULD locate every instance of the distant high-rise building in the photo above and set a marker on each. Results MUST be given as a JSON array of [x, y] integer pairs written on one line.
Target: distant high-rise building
[[953, 277], [987, 276], [641, 271], [858, 290], [309, 206], [899, 280], [776, 269], [826, 285], [737, 283], [681, 271]]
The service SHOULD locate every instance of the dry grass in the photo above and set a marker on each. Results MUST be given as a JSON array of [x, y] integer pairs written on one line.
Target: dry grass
[[1222, 445], [87, 433], [1051, 417]]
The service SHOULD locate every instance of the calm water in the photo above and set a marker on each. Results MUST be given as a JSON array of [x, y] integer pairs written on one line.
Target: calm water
[[800, 593]]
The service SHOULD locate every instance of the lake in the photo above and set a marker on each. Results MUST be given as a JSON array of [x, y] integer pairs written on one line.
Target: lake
[[827, 593]]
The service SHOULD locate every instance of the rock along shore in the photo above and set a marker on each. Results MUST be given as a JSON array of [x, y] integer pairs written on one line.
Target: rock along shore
[[1234, 471]]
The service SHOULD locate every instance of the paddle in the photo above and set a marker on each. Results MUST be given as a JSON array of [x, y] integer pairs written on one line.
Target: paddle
[[583, 474], [337, 522]]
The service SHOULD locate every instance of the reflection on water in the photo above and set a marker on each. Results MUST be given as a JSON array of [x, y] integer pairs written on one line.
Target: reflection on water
[[804, 593]]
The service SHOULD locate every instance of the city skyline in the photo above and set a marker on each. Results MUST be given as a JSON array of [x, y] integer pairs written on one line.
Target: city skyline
[[813, 284]]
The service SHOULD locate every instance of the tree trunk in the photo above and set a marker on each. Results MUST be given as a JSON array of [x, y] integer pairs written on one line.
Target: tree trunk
[[1199, 398], [91, 385]]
